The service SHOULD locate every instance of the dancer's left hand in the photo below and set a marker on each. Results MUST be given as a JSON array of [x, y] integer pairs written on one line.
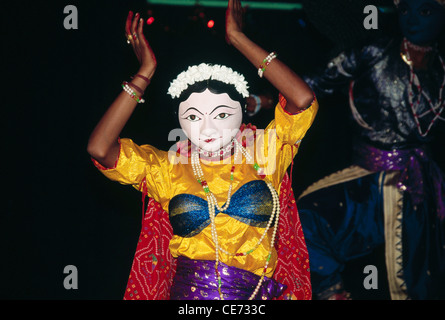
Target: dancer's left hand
[[234, 19]]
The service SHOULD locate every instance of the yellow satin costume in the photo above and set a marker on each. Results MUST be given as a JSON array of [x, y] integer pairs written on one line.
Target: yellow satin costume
[[167, 174]]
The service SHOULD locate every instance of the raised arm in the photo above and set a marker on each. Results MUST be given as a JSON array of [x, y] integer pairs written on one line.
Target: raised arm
[[103, 144], [297, 93]]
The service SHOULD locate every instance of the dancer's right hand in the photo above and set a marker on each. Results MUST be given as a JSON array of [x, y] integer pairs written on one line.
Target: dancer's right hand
[[141, 47]]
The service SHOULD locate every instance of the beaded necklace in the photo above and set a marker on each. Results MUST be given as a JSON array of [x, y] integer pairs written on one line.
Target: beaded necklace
[[435, 109], [418, 48], [212, 203], [217, 154]]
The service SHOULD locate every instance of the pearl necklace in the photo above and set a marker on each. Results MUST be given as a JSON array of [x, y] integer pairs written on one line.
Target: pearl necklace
[[435, 109], [212, 203]]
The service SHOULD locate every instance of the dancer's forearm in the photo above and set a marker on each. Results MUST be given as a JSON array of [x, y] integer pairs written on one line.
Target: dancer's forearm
[[297, 93], [103, 143]]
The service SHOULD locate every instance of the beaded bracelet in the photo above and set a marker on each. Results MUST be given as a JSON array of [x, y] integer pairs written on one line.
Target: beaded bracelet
[[265, 63], [132, 94], [137, 88]]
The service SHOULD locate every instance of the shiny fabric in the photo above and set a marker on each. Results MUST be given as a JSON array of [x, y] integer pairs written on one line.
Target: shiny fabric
[[237, 237], [167, 174], [161, 176], [196, 280], [345, 221], [251, 204], [341, 223], [380, 93], [154, 268], [410, 162]]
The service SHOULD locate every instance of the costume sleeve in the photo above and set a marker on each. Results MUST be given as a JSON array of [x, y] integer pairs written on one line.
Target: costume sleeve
[[140, 166], [282, 138], [336, 75], [347, 66]]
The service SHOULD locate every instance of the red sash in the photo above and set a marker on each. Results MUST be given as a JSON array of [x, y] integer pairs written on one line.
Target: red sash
[[154, 267]]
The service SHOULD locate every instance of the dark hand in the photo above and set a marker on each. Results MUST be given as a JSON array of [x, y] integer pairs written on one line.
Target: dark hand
[[234, 19], [141, 47]]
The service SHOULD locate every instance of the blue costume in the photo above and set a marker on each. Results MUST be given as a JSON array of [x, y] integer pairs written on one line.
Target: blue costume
[[394, 194]]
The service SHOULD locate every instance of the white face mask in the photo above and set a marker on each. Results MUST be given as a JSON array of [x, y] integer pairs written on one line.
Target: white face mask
[[210, 120]]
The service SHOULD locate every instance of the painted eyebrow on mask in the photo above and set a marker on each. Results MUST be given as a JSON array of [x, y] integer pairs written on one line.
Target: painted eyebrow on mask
[[222, 106], [191, 108]]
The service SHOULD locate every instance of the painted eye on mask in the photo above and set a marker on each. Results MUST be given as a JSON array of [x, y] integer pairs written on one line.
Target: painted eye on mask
[[222, 116], [193, 118]]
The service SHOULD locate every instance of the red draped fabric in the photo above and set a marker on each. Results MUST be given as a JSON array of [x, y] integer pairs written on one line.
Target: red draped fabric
[[154, 267]]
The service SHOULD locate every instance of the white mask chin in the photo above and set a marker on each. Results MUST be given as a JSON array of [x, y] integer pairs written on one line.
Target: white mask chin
[[210, 120]]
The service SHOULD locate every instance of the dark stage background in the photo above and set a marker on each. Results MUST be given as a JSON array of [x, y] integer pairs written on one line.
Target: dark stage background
[[57, 209]]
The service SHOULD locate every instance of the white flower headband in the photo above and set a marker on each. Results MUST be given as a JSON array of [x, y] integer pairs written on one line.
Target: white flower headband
[[205, 72]]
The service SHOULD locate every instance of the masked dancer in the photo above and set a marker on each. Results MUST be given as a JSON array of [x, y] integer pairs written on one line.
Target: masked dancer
[[221, 186]]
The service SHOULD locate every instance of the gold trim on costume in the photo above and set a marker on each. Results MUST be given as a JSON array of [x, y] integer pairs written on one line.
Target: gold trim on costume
[[392, 211], [348, 174]]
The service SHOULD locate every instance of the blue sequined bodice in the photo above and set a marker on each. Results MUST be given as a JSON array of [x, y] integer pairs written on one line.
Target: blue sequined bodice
[[252, 204]]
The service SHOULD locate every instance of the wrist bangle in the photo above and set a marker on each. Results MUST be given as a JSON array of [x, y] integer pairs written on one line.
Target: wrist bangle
[[265, 63], [142, 77]]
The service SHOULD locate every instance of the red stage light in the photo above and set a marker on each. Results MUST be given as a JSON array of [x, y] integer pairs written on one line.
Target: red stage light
[[210, 24], [150, 20]]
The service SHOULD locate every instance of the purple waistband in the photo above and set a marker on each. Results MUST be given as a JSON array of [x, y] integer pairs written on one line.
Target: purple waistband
[[196, 280], [375, 159], [413, 164]]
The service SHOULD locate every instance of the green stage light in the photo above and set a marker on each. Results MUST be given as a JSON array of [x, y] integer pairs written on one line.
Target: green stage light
[[223, 4]]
